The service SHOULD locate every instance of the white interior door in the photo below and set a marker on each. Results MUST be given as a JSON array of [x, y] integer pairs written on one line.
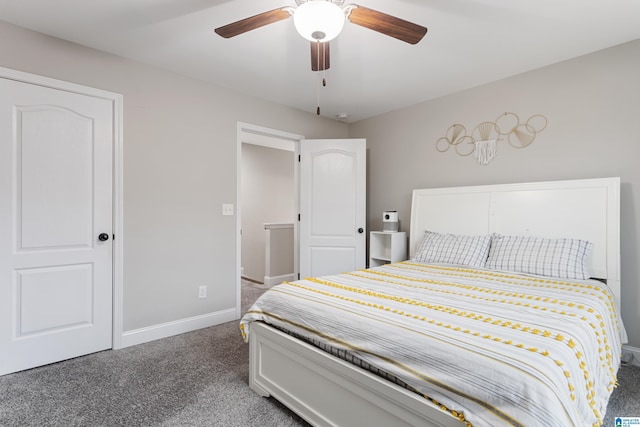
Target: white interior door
[[332, 206], [56, 153]]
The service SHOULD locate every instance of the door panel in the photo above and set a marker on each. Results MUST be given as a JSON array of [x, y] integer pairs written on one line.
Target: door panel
[[53, 298], [331, 260], [332, 206], [334, 181], [55, 198], [54, 170]]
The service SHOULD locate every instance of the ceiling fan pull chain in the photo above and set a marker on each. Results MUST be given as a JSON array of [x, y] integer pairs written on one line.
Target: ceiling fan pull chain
[[318, 86], [318, 98]]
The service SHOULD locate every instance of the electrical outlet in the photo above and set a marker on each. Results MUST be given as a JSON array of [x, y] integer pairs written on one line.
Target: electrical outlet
[[227, 209], [202, 291]]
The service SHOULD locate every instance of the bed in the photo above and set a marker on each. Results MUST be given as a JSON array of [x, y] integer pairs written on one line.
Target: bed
[[434, 343]]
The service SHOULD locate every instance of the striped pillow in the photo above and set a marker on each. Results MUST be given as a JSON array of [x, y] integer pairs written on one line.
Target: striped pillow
[[471, 251], [563, 258]]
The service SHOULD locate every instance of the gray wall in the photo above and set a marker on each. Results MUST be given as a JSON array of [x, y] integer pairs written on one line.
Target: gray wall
[[267, 196], [179, 168], [592, 104]]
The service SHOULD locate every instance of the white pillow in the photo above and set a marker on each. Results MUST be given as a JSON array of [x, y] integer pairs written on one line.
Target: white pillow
[[471, 251], [563, 258]]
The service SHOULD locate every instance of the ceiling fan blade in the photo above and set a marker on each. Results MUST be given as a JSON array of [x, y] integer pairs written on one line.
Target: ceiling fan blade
[[253, 22], [387, 24], [320, 56]]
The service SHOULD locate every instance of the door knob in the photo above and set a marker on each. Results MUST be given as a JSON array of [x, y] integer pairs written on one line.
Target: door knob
[[103, 237], [360, 230]]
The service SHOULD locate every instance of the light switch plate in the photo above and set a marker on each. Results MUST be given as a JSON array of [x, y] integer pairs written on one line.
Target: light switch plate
[[227, 209]]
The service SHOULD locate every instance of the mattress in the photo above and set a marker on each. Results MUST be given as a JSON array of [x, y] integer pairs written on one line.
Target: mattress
[[492, 348]]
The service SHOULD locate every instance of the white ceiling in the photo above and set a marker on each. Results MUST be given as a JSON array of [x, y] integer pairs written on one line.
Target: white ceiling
[[469, 42]]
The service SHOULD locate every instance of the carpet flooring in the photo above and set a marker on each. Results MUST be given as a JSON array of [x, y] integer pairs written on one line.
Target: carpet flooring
[[194, 379]]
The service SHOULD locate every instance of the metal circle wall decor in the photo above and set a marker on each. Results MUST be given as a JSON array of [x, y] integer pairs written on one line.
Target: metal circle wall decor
[[483, 139], [455, 136]]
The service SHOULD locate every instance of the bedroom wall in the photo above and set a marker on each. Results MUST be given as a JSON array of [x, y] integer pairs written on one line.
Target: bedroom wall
[[592, 104], [267, 196], [179, 168]]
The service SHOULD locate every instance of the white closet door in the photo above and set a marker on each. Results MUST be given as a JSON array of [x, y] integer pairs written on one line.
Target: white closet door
[[56, 153]]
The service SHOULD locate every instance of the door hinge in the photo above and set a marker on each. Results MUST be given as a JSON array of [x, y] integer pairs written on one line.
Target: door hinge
[[298, 276], [113, 237], [298, 217], [298, 158]]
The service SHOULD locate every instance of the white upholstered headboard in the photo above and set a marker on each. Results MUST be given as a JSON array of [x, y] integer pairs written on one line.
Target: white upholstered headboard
[[587, 209]]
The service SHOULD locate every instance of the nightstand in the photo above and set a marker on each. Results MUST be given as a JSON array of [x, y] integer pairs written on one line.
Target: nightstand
[[386, 247]]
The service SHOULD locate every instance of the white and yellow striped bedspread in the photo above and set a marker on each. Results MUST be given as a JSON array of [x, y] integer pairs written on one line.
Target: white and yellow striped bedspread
[[492, 348]]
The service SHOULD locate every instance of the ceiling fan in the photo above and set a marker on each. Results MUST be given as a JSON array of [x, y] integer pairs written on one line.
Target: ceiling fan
[[320, 21]]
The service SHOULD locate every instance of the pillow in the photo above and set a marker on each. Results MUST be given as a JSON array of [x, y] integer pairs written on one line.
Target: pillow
[[563, 258], [471, 251]]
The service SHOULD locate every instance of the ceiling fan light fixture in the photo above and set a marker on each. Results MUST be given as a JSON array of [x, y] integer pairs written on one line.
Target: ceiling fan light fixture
[[319, 20]]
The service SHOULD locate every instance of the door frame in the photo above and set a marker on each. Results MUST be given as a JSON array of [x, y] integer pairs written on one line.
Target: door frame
[[118, 181], [256, 132]]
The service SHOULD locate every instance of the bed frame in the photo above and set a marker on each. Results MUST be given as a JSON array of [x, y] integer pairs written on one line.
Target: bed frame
[[327, 391]]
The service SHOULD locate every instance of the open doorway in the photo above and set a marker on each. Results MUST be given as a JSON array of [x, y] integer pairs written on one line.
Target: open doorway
[[267, 214], [267, 206]]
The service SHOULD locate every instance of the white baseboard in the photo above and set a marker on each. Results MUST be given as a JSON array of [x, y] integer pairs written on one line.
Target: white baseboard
[[636, 354], [165, 330], [276, 280]]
